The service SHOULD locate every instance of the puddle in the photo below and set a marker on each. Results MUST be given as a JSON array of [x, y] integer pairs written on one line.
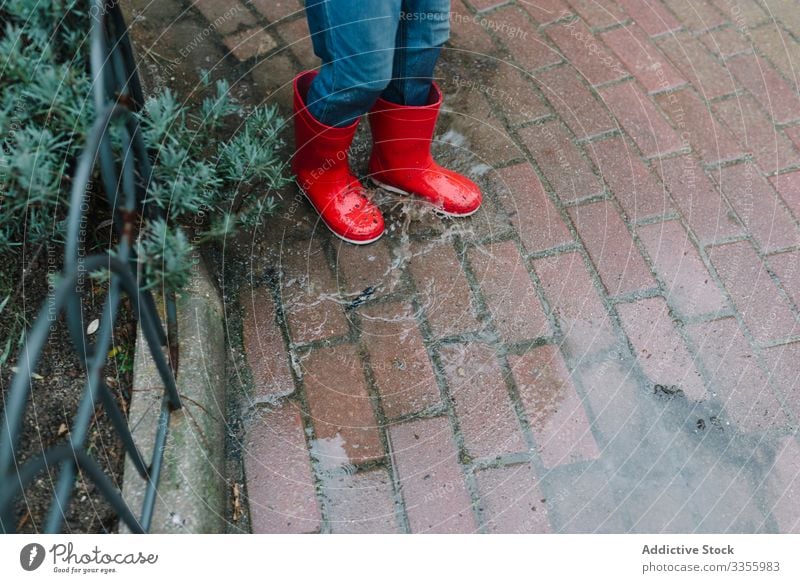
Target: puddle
[[330, 454]]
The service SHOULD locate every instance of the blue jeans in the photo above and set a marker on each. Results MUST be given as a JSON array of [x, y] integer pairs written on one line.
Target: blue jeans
[[371, 49]]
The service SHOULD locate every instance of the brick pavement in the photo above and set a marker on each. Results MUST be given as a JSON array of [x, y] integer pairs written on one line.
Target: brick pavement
[[610, 345]]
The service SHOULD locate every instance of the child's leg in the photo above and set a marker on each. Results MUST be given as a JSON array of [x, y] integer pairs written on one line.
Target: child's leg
[[355, 40], [424, 27], [403, 120]]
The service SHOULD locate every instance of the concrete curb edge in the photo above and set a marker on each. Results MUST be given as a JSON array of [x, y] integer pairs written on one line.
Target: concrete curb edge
[[192, 492]]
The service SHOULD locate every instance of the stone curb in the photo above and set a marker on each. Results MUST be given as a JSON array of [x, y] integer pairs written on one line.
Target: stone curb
[[192, 492]]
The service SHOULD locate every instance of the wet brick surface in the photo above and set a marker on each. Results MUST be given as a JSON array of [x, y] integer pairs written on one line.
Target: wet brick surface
[[601, 346]]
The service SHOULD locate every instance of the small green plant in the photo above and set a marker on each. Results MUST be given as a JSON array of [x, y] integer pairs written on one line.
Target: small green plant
[[123, 357], [196, 174]]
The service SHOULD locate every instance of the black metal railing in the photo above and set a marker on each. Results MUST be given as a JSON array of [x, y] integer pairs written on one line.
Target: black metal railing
[[117, 96]]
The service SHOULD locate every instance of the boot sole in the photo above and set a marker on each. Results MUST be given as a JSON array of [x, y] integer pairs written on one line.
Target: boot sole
[[438, 211], [342, 237]]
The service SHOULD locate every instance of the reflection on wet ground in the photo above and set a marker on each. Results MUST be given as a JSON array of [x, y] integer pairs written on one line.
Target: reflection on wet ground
[[449, 371], [608, 345]]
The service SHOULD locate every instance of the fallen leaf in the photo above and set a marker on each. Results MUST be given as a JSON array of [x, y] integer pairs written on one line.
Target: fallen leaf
[[23, 520], [34, 376], [237, 505]]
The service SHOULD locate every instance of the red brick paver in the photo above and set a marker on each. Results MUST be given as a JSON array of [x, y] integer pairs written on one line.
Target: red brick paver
[[650, 15], [567, 171], [749, 12], [505, 282], [573, 299], [597, 14], [398, 359], [788, 186], [632, 182], [554, 410], [511, 501], [702, 206], [696, 16], [711, 140], [279, 478], [366, 270], [643, 59], [515, 96], [340, 406], [532, 213], [466, 33], [547, 11], [697, 65], [658, 347], [758, 207], [483, 5], [640, 233], [361, 503], [770, 148], [573, 100], [735, 375], [639, 117], [781, 362], [444, 293], [689, 286], [773, 93], [765, 311], [267, 352], [431, 481], [611, 248], [779, 48], [786, 15], [726, 42], [484, 409], [526, 46], [586, 53], [787, 267], [482, 127], [308, 291]]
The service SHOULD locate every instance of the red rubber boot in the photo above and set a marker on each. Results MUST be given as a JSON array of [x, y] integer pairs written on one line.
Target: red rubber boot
[[401, 159], [323, 173]]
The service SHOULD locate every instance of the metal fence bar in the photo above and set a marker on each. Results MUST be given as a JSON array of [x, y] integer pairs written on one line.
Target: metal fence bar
[[117, 96]]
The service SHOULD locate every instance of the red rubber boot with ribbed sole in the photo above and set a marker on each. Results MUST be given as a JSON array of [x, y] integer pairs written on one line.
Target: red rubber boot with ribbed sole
[[322, 172], [401, 159]]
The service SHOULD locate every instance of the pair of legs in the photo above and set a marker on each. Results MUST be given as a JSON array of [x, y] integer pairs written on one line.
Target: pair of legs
[[371, 49], [378, 57]]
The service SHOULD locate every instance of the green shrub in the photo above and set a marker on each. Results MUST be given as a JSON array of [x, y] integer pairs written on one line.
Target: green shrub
[[203, 156]]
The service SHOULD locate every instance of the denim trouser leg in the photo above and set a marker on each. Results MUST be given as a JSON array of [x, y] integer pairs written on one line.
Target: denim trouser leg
[[356, 41], [424, 27]]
